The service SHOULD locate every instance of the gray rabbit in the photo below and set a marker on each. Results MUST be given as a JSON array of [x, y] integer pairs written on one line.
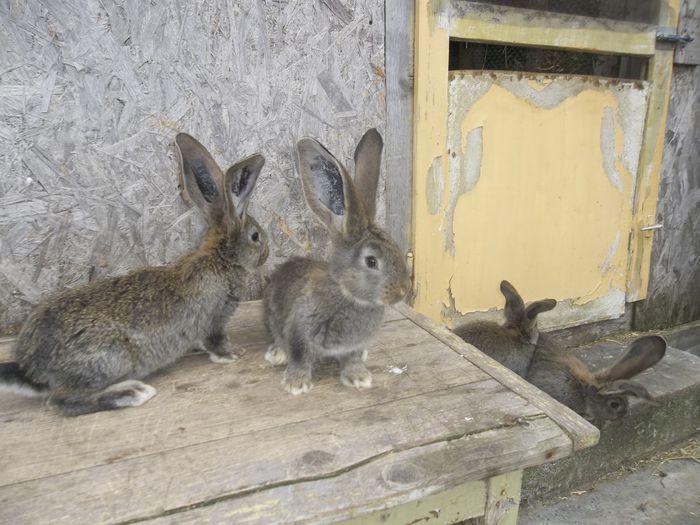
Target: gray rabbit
[[87, 348], [539, 358], [318, 309], [513, 343], [598, 396]]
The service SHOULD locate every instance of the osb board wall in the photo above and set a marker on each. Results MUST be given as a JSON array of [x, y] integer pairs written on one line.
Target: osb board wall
[[674, 285], [92, 93]]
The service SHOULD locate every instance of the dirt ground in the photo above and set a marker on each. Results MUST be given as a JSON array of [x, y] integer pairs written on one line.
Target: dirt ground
[[661, 490]]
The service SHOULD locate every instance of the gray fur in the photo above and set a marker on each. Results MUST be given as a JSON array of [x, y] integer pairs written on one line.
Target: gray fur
[[89, 345], [601, 396], [330, 309], [513, 343]]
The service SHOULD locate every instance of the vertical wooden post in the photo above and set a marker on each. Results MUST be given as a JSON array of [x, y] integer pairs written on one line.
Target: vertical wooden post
[[432, 45], [503, 499], [398, 150], [649, 172]]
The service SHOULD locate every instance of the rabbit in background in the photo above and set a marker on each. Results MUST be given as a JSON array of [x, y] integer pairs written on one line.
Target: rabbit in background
[[518, 344], [87, 348], [598, 396], [513, 343], [330, 309]]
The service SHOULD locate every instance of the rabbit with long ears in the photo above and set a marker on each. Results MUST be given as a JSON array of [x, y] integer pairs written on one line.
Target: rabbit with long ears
[[513, 343], [88, 348], [316, 309], [598, 396]]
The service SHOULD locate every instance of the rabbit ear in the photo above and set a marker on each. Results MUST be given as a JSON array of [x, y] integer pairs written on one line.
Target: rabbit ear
[[329, 191], [200, 178], [643, 353], [625, 388], [515, 307], [368, 158], [537, 307], [240, 180]]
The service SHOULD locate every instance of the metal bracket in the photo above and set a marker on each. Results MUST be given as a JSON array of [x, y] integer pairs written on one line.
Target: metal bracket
[[670, 35]]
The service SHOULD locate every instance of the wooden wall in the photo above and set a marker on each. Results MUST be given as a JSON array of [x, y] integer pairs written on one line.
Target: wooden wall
[[92, 93], [674, 285]]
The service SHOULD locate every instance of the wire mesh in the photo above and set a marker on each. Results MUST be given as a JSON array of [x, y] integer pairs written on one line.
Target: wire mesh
[[490, 57], [643, 11]]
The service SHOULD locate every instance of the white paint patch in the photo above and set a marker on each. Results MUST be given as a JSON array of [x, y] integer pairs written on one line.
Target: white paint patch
[[607, 262], [434, 186], [607, 147], [471, 160], [463, 179], [632, 102], [571, 312]]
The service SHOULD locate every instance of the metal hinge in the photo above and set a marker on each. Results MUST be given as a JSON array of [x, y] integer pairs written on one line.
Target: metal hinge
[[670, 35]]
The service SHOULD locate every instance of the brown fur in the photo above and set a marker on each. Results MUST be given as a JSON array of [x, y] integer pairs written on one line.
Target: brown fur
[[88, 347]]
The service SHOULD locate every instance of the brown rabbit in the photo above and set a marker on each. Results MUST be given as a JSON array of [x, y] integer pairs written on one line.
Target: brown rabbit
[[513, 343], [88, 347], [601, 396]]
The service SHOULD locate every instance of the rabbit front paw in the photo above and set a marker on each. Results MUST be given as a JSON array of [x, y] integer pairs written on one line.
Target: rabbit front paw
[[221, 350], [297, 383], [276, 355], [356, 376], [226, 354]]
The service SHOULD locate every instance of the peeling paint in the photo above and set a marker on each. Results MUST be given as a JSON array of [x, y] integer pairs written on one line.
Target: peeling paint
[[607, 262], [607, 147], [434, 186], [463, 180], [571, 312], [566, 314], [632, 114]]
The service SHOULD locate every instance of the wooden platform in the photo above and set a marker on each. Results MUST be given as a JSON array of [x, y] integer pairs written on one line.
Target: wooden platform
[[437, 437]]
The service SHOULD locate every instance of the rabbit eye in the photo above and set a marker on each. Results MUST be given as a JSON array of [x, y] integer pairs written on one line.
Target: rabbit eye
[[614, 405], [255, 236], [371, 261]]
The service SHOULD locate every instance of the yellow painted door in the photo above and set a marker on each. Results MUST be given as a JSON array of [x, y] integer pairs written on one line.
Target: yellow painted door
[[526, 177]]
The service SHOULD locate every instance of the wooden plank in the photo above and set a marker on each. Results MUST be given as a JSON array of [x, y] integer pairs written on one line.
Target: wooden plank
[[398, 150], [689, 24], [453, 505], [39, 442], [582, 433], [649, 172], [442, 424], [389, 481], [527, 27]]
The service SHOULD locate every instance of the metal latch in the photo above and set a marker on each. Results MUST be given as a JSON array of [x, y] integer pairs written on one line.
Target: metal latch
[[652, 228], [670, 35]]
